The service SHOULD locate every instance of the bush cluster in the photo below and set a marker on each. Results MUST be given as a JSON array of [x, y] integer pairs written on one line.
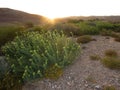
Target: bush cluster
[[67, 28], [32, 54], [87, 28]]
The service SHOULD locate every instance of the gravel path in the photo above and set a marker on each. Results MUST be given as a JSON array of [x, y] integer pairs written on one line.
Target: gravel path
[[85, 74]]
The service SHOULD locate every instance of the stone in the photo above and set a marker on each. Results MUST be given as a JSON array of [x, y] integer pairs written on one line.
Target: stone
[[68, 83], [86, 85], [97, 87]]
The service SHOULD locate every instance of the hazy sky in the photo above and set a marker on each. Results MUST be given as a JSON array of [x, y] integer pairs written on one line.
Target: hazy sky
[[61, 8]]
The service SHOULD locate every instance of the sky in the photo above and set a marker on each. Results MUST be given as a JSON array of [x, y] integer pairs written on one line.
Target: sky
[[64, 8]]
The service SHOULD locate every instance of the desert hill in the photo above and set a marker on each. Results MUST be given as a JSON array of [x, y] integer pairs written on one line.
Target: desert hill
[[14, 16]]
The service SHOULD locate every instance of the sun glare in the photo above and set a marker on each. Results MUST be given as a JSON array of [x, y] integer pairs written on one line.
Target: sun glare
[[51, 17], [52, 20], [63, 8]]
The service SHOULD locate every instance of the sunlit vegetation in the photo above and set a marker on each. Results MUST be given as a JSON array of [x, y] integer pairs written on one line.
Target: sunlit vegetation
[[43, 51], [81, 27], [39, 55], [68, 28]]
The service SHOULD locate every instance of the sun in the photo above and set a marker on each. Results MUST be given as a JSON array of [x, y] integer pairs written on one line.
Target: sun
[[52, 20], [52, 17], [55, 9], [52, 14]]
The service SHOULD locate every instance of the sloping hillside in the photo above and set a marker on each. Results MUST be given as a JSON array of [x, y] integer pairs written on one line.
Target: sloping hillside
[[14, 16]]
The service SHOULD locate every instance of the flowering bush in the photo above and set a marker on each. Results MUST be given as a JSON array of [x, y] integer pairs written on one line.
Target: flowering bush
[[31, 54]]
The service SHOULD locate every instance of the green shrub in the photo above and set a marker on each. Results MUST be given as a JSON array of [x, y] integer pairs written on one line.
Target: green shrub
[[8, 81], [94, 57], [104, 25], [116, 27], [67, 28], [84, 39], [109, 88], [111, 53], [87, 28], [75, 20], [31, 54], [7, 33], [111, 62]]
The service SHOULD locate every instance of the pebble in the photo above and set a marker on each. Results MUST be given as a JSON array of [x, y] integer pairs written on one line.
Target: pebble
[[69, 77], [53, 87], [80, 85], [86, 85], [68, 83], [97, 87]]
